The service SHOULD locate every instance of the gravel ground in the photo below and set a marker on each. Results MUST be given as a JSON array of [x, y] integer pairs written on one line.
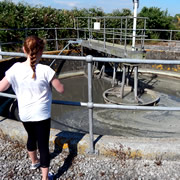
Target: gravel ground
[[14, 164]]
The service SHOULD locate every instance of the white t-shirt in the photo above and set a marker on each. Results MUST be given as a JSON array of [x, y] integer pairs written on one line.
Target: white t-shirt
[[34, 95]]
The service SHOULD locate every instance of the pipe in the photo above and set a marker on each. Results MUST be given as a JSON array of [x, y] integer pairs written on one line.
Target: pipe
[[90, 104], [98, 59], [134, 23], [107, 106]]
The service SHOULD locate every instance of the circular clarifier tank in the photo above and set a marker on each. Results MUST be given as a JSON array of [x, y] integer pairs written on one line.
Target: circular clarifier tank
[[130, 123]]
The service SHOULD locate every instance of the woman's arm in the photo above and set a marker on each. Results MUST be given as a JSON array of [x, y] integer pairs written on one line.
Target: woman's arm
[[57, 85], [4, 84]]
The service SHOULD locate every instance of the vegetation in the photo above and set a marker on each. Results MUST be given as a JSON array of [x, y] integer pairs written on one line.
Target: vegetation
[[157, 19], [23, 16]]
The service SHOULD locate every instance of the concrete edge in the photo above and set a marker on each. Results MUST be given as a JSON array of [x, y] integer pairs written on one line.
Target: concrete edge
[[138, 147]]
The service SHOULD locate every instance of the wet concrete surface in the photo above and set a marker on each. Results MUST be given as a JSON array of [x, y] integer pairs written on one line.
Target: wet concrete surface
[[126, 123]]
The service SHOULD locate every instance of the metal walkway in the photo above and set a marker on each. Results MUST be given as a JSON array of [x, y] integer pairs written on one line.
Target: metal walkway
[[113, 49]]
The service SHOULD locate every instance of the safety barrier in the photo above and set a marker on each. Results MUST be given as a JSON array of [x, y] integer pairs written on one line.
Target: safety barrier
[[121, 35], [90, 105]]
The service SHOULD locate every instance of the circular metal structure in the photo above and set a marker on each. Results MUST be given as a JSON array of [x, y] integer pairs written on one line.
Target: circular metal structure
[[145, 97]]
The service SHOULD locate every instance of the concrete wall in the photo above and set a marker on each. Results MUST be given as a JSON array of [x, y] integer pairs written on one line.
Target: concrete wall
[[163, 55]]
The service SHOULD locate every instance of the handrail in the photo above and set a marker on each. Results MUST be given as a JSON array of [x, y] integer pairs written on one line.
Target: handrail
[[97, 59], [89, 59], [108, 106]]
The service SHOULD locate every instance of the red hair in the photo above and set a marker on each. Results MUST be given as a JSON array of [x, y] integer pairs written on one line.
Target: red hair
[[32, 46]]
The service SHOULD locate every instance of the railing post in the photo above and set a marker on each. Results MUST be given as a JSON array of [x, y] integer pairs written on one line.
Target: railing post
[[75, 23], [123, 81], [89, 59], [56, 39], [134, 24], [135, 82], [89, 29], [113, 36], [85, 35], [104, 33], [125, 40], [121, 33], [171, 35], [144, 34], [77, 29]]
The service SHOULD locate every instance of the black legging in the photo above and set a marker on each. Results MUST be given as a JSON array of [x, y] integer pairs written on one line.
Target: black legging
[[38, 135]]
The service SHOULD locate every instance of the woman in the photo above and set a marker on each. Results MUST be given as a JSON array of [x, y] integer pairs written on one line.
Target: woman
[[31, 83]]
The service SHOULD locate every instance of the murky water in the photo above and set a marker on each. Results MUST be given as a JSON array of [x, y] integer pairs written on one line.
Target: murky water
[[119, 122], [76, 89]]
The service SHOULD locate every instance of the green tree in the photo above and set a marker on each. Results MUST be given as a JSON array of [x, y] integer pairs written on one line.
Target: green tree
[[177, 21], [157, 19], [117, 22], [23, 16]]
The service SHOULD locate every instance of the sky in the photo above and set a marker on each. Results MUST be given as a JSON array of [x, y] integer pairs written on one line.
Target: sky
[[173, 6]]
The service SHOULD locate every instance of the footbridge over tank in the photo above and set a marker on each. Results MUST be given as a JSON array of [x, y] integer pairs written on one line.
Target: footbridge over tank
[[113, 49], [125, 41], [98, 35]]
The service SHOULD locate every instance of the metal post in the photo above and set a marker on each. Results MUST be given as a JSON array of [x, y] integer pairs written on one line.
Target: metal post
[[91, 28], [134, 24], [75, 23], [113, 36], [85, 35], [128, 76], [104, 33], [82, 53], [123, 81], [125, 41], [121, 33], [77, 30], [135, 83], [56, 39], [90, 103], [144, 34], [171, 35], [114, 74], [89, 31]]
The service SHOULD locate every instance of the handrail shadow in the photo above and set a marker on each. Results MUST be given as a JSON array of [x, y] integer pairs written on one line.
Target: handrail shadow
[[70, 139]]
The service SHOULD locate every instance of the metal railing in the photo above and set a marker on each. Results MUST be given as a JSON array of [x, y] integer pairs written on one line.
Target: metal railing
[[120, 35], [90, 105], [41, 32], [123, 34]]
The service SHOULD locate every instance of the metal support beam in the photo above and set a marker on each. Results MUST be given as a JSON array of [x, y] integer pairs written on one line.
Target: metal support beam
[[135, 83], [123, 82], [104, 33], [67, 46], [134, 23], [90, 103]]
